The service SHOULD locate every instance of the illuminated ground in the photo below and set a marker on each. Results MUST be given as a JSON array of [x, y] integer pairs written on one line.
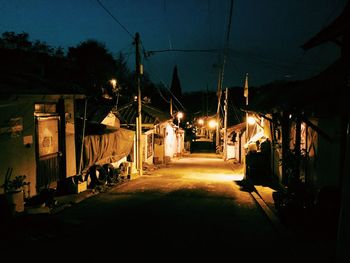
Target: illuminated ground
[[193, 207]]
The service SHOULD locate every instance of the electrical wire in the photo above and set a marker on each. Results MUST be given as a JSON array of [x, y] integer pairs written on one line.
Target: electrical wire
[[151, 52], [166, 86], [235, 112], [115, 19], [161, 95]]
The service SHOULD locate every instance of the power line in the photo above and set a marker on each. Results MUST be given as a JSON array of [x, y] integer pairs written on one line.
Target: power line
[[160, 93], [166, 86], [127, 55], [115, 19], [235, 111], [151, 52]]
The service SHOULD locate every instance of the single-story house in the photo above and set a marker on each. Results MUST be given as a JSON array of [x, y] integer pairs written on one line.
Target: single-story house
[[161, 138]]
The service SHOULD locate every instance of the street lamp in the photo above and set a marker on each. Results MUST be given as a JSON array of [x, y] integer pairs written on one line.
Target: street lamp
[[113, 83], [115, 90], [179, 117], [212, 124]]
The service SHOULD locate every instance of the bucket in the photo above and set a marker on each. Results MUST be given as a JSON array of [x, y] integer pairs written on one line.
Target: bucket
[[15, 201]]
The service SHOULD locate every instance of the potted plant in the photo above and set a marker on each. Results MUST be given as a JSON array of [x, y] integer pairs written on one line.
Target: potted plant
[[13, 189]]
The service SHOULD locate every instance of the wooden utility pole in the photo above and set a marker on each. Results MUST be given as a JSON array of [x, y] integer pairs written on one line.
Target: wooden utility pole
[[297, 150], [246, 95], [221, 78], [285, 146], [82, 137], [218, 122], [139, 118], [225, 123]]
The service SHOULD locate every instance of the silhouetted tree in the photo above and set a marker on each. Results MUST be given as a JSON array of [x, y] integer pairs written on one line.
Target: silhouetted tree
[[20, 41], [27, 66], [88, 67], [11, 40], [125, 79], [96, 66], [42, 47]]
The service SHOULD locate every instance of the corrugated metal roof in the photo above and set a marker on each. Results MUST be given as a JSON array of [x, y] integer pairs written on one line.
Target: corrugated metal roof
[[97, 109], [150, 115], [238, 127]]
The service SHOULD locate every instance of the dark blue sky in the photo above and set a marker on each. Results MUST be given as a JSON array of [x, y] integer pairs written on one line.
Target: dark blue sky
[[265, 36]]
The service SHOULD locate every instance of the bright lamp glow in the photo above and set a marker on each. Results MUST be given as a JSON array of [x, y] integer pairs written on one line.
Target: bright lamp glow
[[200, 121], [113, 82], [212, 123], [251, 120], [179, 116]]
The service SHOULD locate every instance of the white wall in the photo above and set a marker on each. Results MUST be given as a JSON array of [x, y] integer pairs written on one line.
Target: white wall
[[147, 146], [170, 141]]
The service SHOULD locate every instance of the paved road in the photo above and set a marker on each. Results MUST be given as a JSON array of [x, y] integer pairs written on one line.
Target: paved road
[[193, 207]]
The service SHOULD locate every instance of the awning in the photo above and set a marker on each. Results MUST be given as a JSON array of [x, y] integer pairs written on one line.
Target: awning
[[253, 139]]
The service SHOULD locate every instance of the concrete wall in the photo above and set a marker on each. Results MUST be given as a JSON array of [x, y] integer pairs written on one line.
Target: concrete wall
[[159, 152], [17, 141], [70, 138], [18, 136]]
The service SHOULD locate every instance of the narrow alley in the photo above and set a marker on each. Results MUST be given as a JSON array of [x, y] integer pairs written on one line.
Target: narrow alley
[[194, 207]]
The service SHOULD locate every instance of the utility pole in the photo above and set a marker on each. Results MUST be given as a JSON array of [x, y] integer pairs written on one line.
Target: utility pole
[[139, 118], [221, 78], [246, 95], [82, 137], [218, 122], [225, 124], [171, 107]]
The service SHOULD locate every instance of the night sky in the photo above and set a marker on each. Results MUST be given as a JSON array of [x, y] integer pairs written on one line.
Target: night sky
[[265, 35]]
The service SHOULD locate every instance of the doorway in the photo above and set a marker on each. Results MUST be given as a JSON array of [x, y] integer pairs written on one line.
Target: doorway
[[48, 151]]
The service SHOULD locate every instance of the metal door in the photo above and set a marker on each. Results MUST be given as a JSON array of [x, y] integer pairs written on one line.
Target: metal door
[[48, 162]]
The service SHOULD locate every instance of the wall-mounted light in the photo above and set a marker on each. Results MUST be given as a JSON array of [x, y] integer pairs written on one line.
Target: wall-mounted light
[[179, 116], [251, 120]]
